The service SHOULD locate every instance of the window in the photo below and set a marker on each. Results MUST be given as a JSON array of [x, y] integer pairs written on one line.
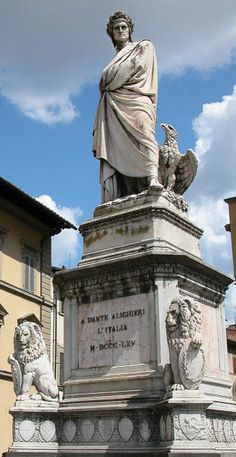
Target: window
[[3, 313], [30, 257], [3, 233], [29, 276]]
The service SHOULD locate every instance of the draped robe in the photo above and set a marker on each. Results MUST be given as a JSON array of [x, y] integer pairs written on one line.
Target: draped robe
[[124, 130]]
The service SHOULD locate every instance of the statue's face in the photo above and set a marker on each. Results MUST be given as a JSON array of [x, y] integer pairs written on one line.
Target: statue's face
[[120, 31], [172, 318], [23, 337]]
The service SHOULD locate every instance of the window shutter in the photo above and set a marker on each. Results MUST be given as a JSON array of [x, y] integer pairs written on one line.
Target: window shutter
[[29, 272]]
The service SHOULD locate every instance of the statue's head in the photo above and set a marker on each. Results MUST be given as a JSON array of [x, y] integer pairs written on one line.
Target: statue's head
[[119, 18], [184, 316], [28, 341]]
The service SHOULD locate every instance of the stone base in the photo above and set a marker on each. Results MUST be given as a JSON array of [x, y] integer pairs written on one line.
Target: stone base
[[139, 254], [35, 428], [190, 425], [120, 228], [187, 424]]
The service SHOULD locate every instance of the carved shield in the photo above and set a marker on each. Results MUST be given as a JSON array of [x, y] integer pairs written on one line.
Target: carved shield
[[26, 429], [227, 430], [145, 430], [190, 425], [16, 374], [87, 429], [69, 430], [125, 428], [218, 429], [163, 428], [106, 428], [191, 365], [47, 430], [234, 429]]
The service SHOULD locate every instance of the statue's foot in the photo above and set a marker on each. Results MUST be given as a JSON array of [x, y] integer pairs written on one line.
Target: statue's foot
[[154, 184]]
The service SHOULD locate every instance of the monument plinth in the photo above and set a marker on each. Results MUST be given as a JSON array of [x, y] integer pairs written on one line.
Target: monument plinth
[[139, 254], [140, 222], [120, 397]]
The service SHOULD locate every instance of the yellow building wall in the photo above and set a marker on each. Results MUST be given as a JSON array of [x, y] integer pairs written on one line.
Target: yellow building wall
[[18, 302], [11, 262], [16, 307], [7, 399]]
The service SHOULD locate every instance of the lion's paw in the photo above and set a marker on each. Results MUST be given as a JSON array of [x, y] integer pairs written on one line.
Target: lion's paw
[[177, 387], [23, 397], [36, 397]]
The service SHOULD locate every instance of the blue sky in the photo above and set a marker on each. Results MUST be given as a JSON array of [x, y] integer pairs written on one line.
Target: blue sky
[[51, 55]]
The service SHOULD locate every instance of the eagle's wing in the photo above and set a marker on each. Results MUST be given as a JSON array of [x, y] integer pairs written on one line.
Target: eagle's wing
[[185, 172], [162, 163]]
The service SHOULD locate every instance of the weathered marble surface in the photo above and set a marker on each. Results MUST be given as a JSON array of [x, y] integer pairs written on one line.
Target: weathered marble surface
[[30, 364], [145, 220], [124, 130], [186, 424], [114, 332], [184, 336], [35, 428], [211, 330], [176, 171]]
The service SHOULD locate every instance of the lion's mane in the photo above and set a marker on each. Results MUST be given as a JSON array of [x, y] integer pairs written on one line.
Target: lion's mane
[[188, 323], [36, 345]]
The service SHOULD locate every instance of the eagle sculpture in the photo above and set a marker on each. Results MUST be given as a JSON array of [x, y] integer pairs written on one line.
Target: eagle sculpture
[[177, 171]]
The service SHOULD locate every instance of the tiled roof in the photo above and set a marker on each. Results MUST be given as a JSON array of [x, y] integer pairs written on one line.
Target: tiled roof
[[31, 206]]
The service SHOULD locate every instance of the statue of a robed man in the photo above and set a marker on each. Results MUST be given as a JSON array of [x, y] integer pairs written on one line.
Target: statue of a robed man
[[124, 131]]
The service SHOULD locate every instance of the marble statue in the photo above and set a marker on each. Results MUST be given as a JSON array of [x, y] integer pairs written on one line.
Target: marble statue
[[177, 171], [187, 358], [30, 364], [124, 130]]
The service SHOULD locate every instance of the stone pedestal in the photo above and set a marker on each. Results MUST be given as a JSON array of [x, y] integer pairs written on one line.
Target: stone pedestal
[[189, 426], [139, 253], [35, 428]]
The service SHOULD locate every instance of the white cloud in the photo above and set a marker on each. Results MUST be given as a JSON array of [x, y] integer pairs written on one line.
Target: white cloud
[[66, 245], [50, 109], [212, 215], [215, 146], [50, 49], [215, 127]]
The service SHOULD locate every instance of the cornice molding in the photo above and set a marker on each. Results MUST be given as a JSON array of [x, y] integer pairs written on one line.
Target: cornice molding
[[135, 214], [24, 293]]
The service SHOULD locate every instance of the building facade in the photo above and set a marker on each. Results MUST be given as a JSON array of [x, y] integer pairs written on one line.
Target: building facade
[[231, 227], [231, 346], [26, 228]]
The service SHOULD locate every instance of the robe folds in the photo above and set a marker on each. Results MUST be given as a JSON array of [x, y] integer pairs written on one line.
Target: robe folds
[[124, 130]]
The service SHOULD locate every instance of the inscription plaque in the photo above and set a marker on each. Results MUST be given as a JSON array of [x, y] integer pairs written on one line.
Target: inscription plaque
[[114, 332]]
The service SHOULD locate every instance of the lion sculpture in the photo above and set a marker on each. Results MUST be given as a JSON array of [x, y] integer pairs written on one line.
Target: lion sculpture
[[187, 359], [30, 364]]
